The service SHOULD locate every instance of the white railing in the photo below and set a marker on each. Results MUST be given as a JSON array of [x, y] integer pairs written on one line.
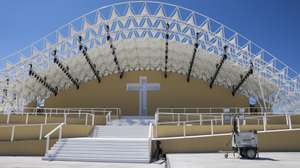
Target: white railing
[[211, 109], [13, 128], [218, 119], [59, 127], [47, 115], [114, 111]]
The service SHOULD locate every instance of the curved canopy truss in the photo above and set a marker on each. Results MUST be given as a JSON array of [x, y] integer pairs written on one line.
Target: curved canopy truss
[[137, 33]]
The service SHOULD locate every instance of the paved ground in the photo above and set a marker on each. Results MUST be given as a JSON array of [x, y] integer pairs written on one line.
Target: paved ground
[[217, 160], [204, 160], [37, 162]]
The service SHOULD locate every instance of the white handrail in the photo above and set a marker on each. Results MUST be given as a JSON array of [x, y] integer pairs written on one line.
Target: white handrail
[[114, 110], [65, 115], [13, 128], [59, 127], [262, 117]]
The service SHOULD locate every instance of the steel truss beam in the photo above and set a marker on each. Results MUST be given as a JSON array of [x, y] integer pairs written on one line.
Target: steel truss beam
[[108, 38], [243, 79], [196, 45], [218, 66], [42, 80], [64, 69], [83, 49]]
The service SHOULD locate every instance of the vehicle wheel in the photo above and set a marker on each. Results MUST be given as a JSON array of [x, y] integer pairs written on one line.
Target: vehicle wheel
[[251, 153], [243, 153], [226, 155]]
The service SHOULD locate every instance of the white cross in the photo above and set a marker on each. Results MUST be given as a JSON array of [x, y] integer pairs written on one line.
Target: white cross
[[143, 87]]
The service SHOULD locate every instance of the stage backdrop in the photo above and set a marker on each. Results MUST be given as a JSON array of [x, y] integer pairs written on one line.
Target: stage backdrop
[[174, 92]]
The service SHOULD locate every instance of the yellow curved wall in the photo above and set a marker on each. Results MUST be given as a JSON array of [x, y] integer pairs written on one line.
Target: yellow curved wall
[[174, 92]]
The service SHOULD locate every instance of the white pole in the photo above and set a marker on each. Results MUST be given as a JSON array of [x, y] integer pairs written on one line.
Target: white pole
[[60, 132], [265, 121], [212, 127], [47, 144], [46, 117], [65, 118], [222, 117], [86, 119], [200, 119], [93, 119], [12, 133], [290, 122], [41, 131], [184, 131], [8, 118], [26, 121]]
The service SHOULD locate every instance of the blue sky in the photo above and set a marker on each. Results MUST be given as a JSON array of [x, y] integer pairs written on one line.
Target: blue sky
[[273, 24]]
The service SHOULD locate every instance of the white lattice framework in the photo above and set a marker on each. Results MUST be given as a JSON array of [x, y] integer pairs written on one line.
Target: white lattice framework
[[138, 31]]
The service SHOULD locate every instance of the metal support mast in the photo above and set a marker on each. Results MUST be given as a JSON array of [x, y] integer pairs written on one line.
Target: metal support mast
[[167, 50], [42, 80], [218, 66], [243, 79], [64, 69], [108, 37], [196, 45], [83, 49]]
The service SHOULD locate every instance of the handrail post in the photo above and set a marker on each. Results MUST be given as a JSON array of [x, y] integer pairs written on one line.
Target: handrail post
[[8, 118], [65, 118], [265, 121], [212, 127], [41, 131], [26, 120], [47, 144], [184, 129], [93, 119], [287, 119], [178, 118], [60, 132], [46, 117], [12, 133], [200, 119], [86, 118], [290, 121], [222, 118]]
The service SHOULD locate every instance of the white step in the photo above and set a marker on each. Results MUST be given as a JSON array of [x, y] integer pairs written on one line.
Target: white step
[[119, 142], [111, 131], [129, 150]]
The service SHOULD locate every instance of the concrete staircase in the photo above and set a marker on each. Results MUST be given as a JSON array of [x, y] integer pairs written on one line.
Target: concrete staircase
[[101, 150], [121, 141]]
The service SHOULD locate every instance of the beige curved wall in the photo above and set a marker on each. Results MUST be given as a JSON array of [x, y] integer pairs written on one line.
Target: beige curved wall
[[174, 92]]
